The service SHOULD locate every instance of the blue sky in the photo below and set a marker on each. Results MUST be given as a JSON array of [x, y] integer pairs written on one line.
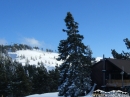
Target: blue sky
[[103, 23]]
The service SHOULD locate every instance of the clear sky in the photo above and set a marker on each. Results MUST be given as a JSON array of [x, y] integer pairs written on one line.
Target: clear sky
[[103, 23]]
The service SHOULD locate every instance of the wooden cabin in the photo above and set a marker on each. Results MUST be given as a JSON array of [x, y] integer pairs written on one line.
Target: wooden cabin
[[111, 74]]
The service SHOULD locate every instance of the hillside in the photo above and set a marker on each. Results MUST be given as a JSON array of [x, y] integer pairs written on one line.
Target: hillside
[[35, 57]]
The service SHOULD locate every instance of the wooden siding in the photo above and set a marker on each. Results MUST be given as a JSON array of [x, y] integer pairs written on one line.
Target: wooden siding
[[97, 75]]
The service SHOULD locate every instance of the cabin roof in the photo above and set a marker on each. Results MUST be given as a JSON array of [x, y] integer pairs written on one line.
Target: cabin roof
[[122, 64]]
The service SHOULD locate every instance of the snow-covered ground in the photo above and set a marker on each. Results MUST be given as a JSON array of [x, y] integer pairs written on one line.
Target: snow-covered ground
[[55, 94], [35, 56], [105, 94]]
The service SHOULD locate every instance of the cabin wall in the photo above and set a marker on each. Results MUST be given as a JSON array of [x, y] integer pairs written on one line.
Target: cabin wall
[[97, 74], [111, 69], [114, 73]]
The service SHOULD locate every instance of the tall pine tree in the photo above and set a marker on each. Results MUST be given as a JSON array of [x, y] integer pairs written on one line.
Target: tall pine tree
[[75, 70]]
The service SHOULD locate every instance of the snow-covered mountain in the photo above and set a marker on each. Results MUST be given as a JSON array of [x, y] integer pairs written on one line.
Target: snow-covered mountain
[[98, 59], [35, 57]]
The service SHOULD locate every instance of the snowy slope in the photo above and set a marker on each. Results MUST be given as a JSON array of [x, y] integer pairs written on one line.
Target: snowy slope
[[34, 56]]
